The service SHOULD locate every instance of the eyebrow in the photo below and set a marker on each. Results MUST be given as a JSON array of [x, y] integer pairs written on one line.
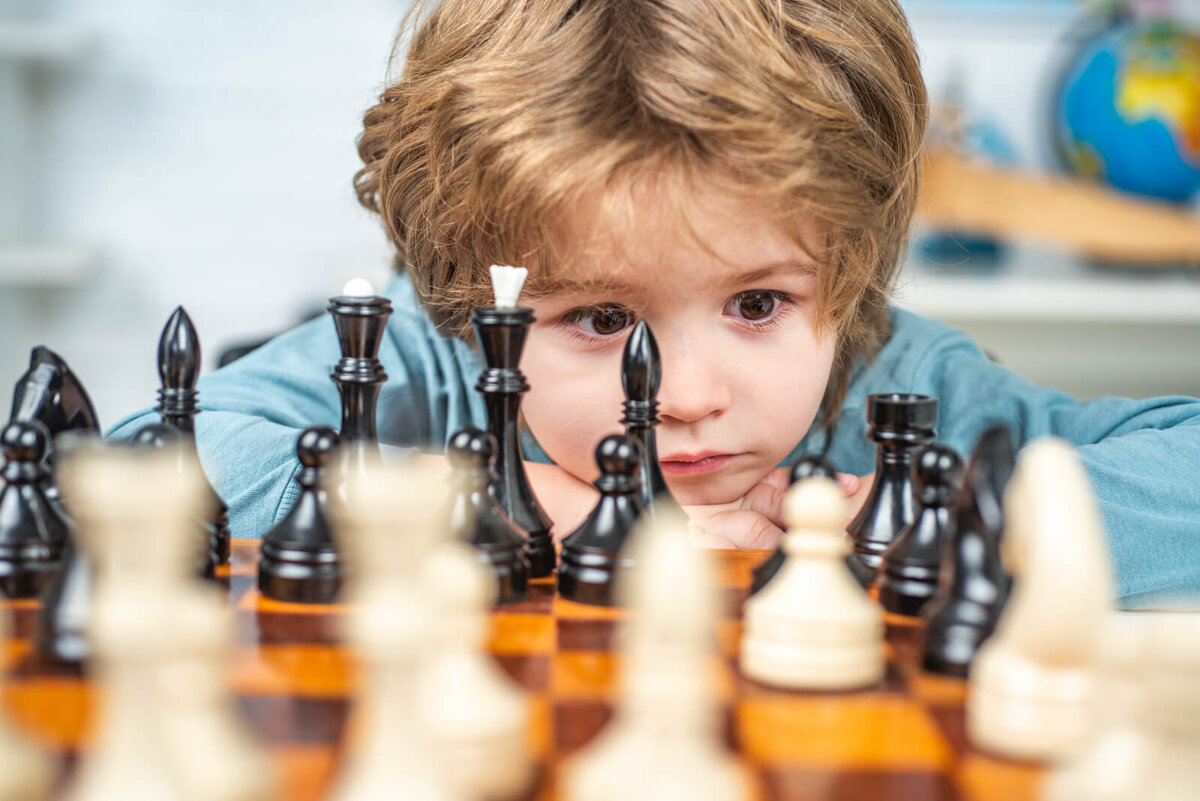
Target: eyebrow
[[600, 286]]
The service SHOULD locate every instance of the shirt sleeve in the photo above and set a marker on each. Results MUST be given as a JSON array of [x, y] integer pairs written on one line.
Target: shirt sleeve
[[254, 410], [1140, 455]]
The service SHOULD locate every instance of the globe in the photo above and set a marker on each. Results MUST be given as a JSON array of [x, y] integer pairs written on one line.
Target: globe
[[1129, 110]]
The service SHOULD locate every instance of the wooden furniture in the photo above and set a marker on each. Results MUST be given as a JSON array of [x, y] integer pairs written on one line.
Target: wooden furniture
[[901, 739]]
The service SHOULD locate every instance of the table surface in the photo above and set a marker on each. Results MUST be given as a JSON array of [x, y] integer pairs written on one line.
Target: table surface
[[294, 682]]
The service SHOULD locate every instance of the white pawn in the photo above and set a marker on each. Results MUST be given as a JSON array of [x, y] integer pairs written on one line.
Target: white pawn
[[1111, 766], [813, 626], [26, 773], [1173, 709], [135, 513], [477, 722], [1033, 683], [390, 517], [664, 742]]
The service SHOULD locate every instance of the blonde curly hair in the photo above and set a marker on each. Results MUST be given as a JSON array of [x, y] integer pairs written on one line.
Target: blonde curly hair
[[508, 113]]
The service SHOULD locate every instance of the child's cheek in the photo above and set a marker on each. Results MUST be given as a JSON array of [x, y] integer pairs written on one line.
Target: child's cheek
[[573, 403]]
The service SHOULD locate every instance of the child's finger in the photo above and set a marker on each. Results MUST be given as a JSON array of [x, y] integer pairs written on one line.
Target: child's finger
[[848, 482], [766, 500], [742, 528]]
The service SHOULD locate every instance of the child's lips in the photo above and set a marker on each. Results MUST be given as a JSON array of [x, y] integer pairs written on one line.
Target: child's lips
[[683, 464]]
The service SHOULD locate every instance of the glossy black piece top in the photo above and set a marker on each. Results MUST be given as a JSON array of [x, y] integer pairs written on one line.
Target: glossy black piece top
[[641, 375], [52, 394], [307, 523], [178, 370], [900, 424]]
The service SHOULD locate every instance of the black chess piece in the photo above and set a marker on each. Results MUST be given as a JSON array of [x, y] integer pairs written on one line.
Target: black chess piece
[[178, 403], [301, 562], [973, 586], [501, 333], [808, 466], [164, 435], [641, 375], [52, 394], [33, 529], [899, 424], [591, 555], [360, 322], [477, 517], [908, 578], [66, 609]]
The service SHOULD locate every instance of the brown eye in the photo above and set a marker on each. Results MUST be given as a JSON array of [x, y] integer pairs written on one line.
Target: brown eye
[[756, 304], [606, 320]]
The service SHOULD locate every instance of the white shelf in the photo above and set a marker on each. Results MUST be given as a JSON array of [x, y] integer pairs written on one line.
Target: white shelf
[[45, 42], [45, 266], [1041, 286]]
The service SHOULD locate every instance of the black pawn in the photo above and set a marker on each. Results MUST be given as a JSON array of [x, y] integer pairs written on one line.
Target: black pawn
[[500, 332], [974, 584], [33, 529], [909, 576], [178, 403], [641, 375], [162, 435], [900, 424], [300, 561], [476, 516], [360, 322], [809, 466], [591, 555]]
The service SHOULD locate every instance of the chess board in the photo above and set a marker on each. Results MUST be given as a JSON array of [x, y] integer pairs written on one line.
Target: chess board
[[903, 739]]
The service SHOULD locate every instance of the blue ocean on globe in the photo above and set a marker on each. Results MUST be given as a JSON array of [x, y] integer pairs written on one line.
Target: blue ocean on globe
[[1129, 110]]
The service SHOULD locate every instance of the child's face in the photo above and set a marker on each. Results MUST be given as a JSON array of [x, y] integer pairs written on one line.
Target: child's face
[[743, 364]]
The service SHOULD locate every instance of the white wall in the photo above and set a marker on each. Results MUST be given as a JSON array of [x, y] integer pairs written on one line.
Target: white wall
[[205, 149]]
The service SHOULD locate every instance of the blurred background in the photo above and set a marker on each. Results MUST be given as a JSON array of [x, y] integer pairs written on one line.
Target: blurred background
[[153, 154]]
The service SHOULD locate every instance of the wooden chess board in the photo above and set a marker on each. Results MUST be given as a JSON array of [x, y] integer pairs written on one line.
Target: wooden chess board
[[903, 739]]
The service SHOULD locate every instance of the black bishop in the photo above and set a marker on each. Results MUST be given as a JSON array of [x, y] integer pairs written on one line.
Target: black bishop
[[641, 375]]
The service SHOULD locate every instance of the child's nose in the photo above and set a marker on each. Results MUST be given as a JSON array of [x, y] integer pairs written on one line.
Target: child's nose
[[694, 384]]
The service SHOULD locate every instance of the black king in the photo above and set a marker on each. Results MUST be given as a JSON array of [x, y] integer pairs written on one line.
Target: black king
[[501, 331]]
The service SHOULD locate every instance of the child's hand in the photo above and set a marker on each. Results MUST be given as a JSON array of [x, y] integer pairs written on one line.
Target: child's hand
[[756, 521]]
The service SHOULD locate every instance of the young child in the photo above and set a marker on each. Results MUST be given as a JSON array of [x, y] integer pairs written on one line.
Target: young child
[[741, 174]]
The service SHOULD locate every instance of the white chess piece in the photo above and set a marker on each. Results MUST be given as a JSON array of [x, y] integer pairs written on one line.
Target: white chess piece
[[135, 513], [1111, 765], [26, 774], [1032, 683], [391, 515], [1173, 709], [663, 743], [813, 627], [208, 748], [477, 722]]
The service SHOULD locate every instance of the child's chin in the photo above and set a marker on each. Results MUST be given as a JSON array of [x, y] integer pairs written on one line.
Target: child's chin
[[702, 490]]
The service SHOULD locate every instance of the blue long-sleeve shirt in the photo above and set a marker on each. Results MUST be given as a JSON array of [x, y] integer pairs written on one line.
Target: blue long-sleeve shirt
[[1140, 454]]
